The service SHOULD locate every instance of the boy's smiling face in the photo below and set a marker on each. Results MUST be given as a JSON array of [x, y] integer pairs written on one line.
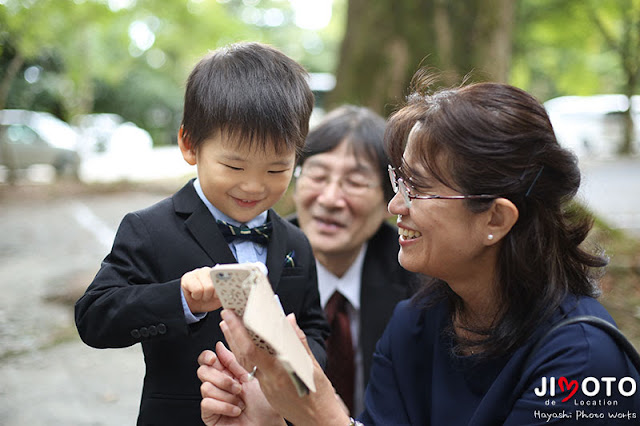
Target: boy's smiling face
[[241, 182]]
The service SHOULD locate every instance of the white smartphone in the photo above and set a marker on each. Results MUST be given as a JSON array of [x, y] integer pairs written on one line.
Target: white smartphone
[[233, 283], [239, 284]]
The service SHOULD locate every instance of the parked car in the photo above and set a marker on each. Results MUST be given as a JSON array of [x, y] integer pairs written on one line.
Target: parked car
[[109, 134], [29, 138], [112, 148], [593, 126]]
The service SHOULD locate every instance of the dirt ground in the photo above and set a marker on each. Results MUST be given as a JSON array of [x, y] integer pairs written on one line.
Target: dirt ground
[[52, 239]]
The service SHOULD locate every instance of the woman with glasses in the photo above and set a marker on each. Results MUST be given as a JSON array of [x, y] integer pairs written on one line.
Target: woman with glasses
[[482, 192]]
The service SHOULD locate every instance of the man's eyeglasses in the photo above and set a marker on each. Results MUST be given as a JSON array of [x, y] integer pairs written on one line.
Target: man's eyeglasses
[[318, 178], [398, 184]]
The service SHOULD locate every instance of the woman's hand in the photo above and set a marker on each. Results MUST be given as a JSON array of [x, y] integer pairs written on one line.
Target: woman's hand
[[229, 396], [317, 408]]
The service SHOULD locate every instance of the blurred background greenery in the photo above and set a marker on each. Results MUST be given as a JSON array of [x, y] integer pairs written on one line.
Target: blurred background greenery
[[131, 57]]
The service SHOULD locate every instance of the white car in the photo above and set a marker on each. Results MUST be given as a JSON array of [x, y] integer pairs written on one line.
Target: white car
[[106, 133], [593, 126], [29, 138], [112, 149]]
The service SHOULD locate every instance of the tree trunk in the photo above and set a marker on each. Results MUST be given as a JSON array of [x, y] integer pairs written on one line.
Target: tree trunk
[[626, 148], [12, 70], [386, 41], [626, 44]]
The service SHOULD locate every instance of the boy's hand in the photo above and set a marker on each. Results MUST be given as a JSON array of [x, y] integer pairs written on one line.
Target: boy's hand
[[199, 292]]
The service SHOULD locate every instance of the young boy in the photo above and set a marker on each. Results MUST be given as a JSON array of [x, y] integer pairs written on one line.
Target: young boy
[[246, 114]]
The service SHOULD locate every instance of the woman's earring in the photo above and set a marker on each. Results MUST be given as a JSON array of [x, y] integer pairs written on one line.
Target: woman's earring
[[490, 237]]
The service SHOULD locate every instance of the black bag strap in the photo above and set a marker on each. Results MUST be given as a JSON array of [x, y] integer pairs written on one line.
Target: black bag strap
[[604, 325]]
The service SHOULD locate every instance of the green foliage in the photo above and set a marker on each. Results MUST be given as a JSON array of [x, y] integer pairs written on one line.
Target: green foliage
[[85, 57], [559, 48], [89, 56]]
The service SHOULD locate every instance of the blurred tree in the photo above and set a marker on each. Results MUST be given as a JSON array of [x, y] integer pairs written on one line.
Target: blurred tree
[[386, 41], [578, 47], [73, 58], [619, 25], [55, 43], [314, 44], [132, 57], [162, 41]]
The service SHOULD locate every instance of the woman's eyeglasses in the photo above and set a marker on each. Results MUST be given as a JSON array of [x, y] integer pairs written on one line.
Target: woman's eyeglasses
[[398, 184]]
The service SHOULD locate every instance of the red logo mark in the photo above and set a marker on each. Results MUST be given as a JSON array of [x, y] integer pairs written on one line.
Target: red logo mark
[[566, 385]]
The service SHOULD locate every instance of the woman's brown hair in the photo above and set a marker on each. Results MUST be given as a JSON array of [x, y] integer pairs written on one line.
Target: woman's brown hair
[[497, 139]]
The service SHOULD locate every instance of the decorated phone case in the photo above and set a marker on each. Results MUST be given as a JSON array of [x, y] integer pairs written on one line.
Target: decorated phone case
[[233, 284], [245, 289]]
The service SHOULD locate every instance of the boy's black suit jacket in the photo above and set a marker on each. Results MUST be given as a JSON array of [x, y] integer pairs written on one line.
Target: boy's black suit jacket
[[135, 297]]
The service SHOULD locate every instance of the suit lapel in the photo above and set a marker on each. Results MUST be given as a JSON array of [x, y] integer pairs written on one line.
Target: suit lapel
[[376, 293], [373, 291], [204, 230], [380, 265], [200, 223], [276, 250]]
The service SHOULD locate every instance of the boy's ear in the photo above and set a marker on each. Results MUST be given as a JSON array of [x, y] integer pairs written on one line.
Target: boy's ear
[[503, 214], [188, 153]]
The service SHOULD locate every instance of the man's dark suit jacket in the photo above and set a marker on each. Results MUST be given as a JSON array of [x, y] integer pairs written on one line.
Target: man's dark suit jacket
[[384, 284], [135, 297]]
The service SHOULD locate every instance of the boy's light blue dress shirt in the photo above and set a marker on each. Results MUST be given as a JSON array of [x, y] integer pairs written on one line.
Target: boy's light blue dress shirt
[[243, 250]]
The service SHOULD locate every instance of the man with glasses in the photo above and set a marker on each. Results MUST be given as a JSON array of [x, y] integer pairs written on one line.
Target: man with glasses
[[341, 195]]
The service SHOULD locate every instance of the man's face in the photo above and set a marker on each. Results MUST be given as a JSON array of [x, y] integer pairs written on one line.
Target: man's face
[[242, 182], [339, 201]]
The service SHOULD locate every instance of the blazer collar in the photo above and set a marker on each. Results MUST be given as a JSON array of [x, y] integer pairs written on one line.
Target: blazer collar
[[200, 223], [276, 250]]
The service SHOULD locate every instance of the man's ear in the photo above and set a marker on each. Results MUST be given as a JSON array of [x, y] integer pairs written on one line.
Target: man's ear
[[503, 214], [188, 153]]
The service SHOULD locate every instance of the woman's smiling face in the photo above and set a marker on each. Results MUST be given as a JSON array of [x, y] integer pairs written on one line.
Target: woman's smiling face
[[438, 237]]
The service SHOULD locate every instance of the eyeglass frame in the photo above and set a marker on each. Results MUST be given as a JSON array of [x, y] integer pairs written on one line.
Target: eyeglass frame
[[398, 184], [297, 174]]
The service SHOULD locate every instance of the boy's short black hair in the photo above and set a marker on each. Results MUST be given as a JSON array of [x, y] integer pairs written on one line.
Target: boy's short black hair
[[251, 92]]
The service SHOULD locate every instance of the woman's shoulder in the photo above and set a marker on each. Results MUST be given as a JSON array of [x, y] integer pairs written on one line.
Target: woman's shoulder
[[580, 343], [577, 334], [573, 306], [576, 367], [419, 306]]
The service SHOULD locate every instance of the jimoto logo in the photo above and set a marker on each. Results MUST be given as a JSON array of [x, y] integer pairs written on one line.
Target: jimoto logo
[[590, 387]]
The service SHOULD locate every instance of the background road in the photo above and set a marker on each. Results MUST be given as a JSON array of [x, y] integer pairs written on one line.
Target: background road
[[52, 239], [612, 189]]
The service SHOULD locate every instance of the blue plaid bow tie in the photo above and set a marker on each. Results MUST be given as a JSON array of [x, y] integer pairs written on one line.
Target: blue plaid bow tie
[[259, 234]]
